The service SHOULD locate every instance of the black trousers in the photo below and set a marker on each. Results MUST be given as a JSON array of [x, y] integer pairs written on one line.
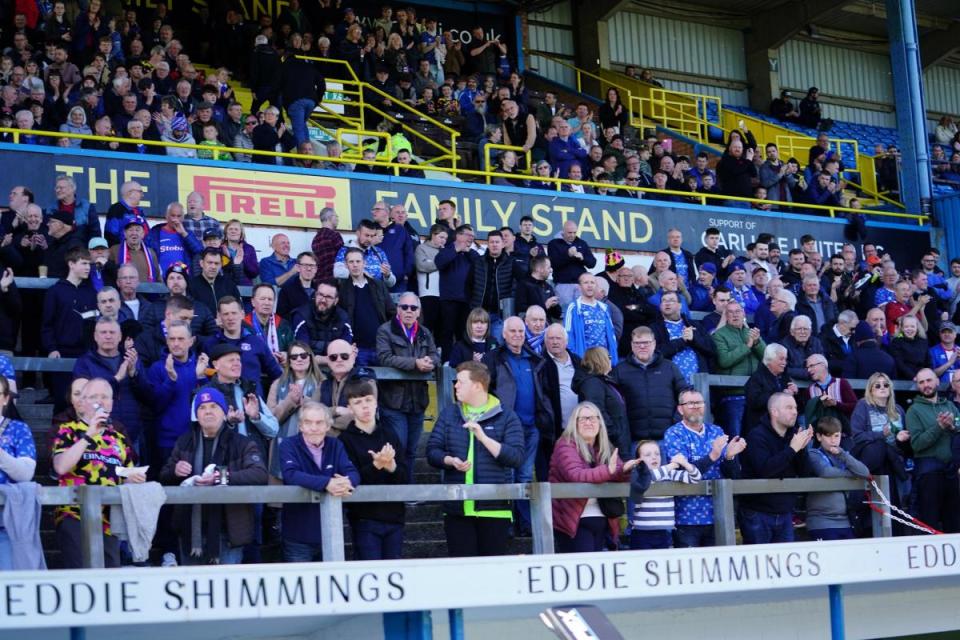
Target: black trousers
[[452, 323], [70, 539], [470, 536], [938, 495]]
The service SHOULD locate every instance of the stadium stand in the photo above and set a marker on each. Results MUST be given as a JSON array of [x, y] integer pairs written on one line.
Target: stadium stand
[[157, 338]]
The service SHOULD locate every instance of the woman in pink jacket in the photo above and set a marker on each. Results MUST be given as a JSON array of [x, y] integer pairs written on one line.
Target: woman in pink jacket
[[584, 454]]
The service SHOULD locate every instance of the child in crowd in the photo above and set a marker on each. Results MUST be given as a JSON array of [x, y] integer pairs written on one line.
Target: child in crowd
[[210, 140], [372, 448], [827, 512], [652, 520]]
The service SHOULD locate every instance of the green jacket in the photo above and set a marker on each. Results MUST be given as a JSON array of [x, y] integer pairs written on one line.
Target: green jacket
[[926, 437], [734, 358]]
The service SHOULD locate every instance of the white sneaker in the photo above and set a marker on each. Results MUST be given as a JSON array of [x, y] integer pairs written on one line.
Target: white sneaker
[[169, 560]]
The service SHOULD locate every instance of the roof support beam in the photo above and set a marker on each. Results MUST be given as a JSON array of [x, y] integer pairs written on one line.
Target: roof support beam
[[937, 45], [770, 29]]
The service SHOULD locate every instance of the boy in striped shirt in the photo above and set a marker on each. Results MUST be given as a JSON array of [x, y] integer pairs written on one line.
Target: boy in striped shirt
[[652, 520]]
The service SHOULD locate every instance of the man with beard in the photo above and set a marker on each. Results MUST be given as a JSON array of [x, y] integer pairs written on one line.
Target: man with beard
[[930, 421]]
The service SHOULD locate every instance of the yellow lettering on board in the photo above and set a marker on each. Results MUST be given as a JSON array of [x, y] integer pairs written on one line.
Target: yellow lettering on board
[[504, 215], [111, 186], [587, 224], [542, 226], [611, 224], [646, 226], [481, 226], [416, 212], [69, 170], [564, 212]]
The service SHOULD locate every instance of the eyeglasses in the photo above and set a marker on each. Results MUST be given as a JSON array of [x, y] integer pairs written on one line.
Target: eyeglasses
[[324, 296], [588, 418], [307, 265], [254, 122], [303, 355], [333, 357], [408, 307], [642, 343], [692, 403], [881, 385]]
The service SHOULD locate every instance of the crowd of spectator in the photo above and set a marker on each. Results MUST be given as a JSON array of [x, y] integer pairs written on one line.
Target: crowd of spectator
[[132, 76], [568, 369]]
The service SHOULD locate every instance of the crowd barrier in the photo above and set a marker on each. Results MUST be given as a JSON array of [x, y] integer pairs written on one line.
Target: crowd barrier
[[92, 499]]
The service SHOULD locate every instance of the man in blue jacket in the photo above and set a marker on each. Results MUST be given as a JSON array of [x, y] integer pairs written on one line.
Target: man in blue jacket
[[314, 461], [258, 361], [397, 244], [564, 151], [776, 448], [454, 262]]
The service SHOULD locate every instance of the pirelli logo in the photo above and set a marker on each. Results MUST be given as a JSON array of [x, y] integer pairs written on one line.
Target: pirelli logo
[[261, 197]]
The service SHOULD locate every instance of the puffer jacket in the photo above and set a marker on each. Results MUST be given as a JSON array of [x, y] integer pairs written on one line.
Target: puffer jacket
[[319, 331], [651, 394], [449, 438], [503, 279], [395, 350], [567, 465], [128, 393]]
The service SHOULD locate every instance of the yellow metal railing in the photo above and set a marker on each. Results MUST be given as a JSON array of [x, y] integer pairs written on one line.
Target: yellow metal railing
[[355, 149], [703, 198], [503, 147]]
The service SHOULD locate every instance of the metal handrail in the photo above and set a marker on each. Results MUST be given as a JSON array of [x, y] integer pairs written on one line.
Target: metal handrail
[[503, 147], [704, 198], [92, 499]]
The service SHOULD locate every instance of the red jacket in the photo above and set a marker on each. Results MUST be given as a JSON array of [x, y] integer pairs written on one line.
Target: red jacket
[[566, 465]]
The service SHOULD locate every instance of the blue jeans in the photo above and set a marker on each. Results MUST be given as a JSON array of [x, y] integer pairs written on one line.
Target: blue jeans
[[301, 552], [299, 111], [650, 539], [531, 443], [730, 412], [496, 327], [375, 540], [6, 551], [838, 533], [367, 357], [687, 536], [408, 427], [757, 527]]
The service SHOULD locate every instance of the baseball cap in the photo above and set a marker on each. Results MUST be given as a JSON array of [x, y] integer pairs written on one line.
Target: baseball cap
[[97, 243]]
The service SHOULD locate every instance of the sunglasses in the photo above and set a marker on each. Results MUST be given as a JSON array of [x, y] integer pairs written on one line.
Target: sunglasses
[[300, 356], [882, 385], [333, 357], [408, 307]]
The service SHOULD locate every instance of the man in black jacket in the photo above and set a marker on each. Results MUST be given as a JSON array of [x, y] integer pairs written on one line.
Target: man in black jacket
[[736, 172], [322, 321], [650, 385], [301, 87], [367, 303], [211, 285], [632, 302], [680, 339], [264, 74], [492, 277], [296, 292], [535, 290], [775, 449], [769, 378], [838, 342]]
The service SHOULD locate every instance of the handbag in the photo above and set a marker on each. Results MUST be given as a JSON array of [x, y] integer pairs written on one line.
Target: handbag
[[611, 507]]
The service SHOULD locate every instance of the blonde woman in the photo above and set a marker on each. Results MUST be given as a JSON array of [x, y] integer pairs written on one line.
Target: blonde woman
[[240, 252], [584, 453], [909, 348], [299, 383]]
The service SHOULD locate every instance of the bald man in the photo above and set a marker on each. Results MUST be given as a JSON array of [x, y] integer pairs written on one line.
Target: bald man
[[535, 321], [588, 321], [570, 257], [279, 266]]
